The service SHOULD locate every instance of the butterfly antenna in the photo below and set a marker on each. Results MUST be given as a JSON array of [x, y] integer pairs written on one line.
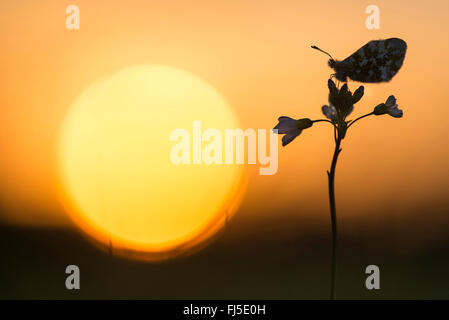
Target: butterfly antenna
[[316, 48]]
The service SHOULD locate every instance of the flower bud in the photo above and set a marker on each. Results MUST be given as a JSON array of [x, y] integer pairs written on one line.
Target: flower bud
[[343, 92], [332, 87], [358, 94]]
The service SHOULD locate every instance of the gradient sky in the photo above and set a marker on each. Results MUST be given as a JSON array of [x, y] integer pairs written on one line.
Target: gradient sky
[[257, 54]]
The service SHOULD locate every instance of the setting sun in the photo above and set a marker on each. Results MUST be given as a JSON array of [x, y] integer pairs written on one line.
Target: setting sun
[[115, 172]]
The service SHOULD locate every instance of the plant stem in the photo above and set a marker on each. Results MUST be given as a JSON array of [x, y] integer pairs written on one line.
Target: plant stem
[[331, 176], [354, 121], [323, 120]]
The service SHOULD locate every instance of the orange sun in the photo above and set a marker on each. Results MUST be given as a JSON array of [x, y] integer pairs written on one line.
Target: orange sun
[[116, 178]]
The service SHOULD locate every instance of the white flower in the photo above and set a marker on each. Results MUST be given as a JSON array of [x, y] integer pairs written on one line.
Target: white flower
[[392, 107], [389, 107], [291, 128]]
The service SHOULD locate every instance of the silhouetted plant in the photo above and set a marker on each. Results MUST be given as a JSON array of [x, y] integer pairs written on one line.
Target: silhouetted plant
[[341, 104]]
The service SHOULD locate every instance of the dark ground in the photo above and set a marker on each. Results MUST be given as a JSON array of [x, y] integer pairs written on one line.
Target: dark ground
[[270, 263]]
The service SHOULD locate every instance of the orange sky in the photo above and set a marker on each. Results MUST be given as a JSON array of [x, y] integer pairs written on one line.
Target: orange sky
[[256, 54]]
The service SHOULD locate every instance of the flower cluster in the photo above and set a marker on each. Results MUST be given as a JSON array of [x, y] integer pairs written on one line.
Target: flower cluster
[[341, 102], [341, 105]]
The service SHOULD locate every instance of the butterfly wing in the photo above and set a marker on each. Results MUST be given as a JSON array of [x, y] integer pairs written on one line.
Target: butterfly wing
[[376, 61]]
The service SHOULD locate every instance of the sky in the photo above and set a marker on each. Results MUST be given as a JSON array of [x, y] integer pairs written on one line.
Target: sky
[[257, 55]]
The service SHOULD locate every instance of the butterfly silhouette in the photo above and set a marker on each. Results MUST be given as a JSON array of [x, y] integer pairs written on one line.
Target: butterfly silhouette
[[376, 61]]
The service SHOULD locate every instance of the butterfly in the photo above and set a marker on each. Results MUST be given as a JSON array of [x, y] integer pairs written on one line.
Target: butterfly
[[376, 61]]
